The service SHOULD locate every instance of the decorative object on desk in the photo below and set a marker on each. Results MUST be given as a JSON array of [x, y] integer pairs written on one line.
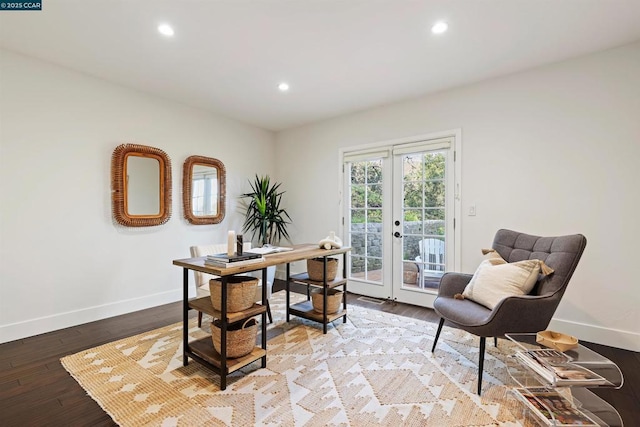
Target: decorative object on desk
[[385, 353], [264, 216], [315, 267], [556, 340], [331, 241], [241, 292], [231, 243], [334, 299], [239, 244], [241, 339]]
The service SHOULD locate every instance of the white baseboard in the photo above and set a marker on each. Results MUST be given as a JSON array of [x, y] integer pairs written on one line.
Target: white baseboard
[[597, 334], [41, 325]]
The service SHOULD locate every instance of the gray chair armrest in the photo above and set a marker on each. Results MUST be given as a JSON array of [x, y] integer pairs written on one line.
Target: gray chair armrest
[[453, 283], [526, 313]]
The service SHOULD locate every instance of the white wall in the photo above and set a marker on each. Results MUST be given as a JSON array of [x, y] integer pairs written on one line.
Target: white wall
[[550, 151], [63, 261]]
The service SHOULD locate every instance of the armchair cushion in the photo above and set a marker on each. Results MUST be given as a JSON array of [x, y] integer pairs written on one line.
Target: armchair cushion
[[495, 279]]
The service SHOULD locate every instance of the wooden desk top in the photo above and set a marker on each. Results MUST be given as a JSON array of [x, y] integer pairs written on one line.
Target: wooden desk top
[[299, 253]]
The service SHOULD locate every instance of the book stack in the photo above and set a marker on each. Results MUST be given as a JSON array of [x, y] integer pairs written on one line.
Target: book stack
[[559, 369], [227, 261]]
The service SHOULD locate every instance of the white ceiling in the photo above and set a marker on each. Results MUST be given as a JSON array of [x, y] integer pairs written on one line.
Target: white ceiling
[[228, 56]]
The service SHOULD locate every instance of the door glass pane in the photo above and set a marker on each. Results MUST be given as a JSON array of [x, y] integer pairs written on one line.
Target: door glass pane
[[358, 244], [357, 196], [434, 194], [374, 196], [424, 190], [358, 217], [412, 221], [365, 220], [413, 194], [374, 172]]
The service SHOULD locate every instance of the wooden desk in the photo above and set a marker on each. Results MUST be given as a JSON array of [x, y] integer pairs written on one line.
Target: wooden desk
[[202, 350]]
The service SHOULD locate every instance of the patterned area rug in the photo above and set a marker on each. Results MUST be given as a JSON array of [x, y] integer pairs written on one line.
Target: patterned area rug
[[377, 369]]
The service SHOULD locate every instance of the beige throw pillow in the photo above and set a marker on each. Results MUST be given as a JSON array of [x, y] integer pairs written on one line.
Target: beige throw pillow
[[495, 279], [493, 256]]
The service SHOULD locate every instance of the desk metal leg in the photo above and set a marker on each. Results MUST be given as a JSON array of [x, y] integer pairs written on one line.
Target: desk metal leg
[[185, 316], [324, 290], [288, 290], [344, 288], [223, 334], [264, 316]]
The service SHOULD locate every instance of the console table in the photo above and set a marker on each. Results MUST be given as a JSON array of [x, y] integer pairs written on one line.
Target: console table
[[202, 350], [587, 402]]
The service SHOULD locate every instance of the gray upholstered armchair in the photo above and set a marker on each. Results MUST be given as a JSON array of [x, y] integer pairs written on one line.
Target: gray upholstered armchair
[[527, 313]]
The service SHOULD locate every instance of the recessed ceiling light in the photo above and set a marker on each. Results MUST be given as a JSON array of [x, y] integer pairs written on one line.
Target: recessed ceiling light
[[166, 30], [439, 27], [283, 87]]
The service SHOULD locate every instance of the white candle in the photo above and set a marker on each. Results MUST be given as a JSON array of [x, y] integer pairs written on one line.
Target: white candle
[[231, 243]]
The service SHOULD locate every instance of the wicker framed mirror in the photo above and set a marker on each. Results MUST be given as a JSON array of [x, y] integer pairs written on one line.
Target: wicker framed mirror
[[203, 190], [140, 185]]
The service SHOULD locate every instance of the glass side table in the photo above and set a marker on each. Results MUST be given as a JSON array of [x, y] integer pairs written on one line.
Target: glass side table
[[548, 399]]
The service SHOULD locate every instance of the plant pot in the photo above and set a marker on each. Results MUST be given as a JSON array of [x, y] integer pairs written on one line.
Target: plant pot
[[241, 293], [410, 274], [241, 338], [334, 299], [315, 269]]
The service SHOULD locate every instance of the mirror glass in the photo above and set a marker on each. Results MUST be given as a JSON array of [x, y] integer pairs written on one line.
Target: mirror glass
[[143, 185], [203, 191], [140, 185]]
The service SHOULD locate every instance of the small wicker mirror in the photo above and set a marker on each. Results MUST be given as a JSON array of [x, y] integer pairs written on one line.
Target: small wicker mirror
[[140, 185], [203, 190]]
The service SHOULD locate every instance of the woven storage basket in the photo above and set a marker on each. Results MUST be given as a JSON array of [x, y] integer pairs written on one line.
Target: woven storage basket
[[241, 293], [241, 338], [334, 299], [315, 266]]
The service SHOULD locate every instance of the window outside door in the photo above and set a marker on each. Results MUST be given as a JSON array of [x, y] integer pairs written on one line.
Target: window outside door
[[400, 205]]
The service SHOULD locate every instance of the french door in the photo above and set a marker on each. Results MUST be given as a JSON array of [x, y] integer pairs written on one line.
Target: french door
[[399, 213]]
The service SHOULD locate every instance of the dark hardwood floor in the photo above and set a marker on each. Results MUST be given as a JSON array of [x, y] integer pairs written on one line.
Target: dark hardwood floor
[[35, 390]]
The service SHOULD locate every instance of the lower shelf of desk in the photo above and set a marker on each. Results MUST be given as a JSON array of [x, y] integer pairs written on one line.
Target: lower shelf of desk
[[203, 348], [304, 278], [305, 310], [204, 305]]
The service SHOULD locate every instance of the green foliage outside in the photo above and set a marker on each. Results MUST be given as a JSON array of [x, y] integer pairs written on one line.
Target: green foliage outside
[[423, 179]]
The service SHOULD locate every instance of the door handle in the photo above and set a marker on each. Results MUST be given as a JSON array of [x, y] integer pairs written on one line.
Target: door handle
[[397, 234]]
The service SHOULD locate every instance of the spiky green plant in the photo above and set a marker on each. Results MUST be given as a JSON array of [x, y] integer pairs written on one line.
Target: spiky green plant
[[264, 215]]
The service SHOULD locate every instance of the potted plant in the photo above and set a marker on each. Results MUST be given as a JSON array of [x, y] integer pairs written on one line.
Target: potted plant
[[265, 217]]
